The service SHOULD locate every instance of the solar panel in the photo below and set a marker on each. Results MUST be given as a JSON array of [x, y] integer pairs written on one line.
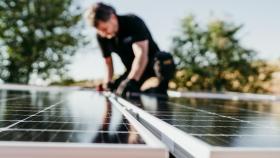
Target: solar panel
[[72, 120], [211, 128]]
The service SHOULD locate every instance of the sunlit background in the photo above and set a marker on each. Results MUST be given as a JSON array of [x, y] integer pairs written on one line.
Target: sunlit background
[[261, 27], [249, 62]]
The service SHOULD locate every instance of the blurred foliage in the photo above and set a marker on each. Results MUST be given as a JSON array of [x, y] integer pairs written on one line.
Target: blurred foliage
[[81, 83], [64, 82], [211, 58], [36, 37]]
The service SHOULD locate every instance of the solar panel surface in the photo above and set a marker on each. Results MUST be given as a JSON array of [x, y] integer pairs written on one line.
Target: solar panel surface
[[86, 117], [74, 116], [221, 123]]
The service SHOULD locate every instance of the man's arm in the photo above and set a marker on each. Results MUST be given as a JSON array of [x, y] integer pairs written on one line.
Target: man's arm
[[109, 69], [140, 61]]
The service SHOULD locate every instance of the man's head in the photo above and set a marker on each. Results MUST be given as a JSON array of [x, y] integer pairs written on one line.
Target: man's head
[[104, 18]]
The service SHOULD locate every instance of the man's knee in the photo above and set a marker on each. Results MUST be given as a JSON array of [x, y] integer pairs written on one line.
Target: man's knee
[[150, 85], [164, 66], [155, 85]]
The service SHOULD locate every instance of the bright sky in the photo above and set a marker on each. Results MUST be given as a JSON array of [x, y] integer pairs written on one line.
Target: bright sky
[[261, 31]]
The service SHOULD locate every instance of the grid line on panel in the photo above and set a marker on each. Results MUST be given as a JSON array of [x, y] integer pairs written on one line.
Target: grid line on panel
[[53, 120], [70, 122], [51, 106], [51, 115], [212, 113], [247, 110], [14, 98], [235, 135], [186, 120], [56, 133], [225, 127], [64, 136]]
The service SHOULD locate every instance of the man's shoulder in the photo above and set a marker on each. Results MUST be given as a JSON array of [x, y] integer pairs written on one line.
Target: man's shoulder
[[130, 17]]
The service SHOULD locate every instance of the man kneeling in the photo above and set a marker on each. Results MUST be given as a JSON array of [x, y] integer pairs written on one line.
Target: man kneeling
[[129, 37]]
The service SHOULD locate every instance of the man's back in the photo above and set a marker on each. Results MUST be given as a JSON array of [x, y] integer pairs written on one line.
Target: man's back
[[129, 37], [131, 29]]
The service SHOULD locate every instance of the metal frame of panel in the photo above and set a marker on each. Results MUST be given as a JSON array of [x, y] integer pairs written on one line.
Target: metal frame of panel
[[183, 145], [225, 96], [205, 95], [153, 147]]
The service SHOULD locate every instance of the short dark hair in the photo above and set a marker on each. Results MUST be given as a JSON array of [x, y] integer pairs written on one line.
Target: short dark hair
[[99, 12]]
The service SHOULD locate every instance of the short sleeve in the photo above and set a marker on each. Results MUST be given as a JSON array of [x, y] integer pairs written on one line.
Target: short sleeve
[[140, 31], [105, 46]]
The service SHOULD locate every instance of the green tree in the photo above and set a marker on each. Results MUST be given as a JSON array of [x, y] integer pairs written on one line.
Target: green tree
[[36, 37], [211, 58]]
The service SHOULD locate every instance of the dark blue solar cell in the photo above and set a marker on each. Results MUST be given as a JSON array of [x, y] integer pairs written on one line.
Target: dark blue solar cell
[[68, 116], [224, 123]]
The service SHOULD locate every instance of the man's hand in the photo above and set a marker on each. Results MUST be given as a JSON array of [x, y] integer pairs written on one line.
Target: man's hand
[[105, 87], [109, 86], [99, 88], [127, 86]]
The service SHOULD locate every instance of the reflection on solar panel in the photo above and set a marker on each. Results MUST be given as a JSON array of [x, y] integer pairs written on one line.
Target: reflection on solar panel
[[68, 124], [211, 128]]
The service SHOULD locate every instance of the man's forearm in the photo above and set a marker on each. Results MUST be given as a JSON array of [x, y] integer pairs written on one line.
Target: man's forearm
[[110, 70], [109, 76], [140, 61], [138, 67]]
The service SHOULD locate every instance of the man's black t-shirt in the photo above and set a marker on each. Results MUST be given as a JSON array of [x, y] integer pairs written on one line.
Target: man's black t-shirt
[[131, 29]]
